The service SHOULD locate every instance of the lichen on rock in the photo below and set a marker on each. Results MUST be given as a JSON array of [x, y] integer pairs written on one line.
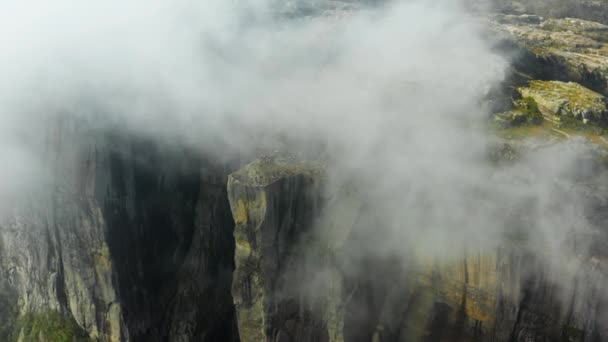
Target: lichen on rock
[[526, 112], [555, 98], [49, 326]]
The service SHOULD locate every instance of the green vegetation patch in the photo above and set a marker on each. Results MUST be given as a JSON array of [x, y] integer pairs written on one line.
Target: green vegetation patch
[[526, 112], [49, 326], [529, 107]]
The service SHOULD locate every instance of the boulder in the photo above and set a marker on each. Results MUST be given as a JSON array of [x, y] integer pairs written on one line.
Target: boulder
[[555, 98]]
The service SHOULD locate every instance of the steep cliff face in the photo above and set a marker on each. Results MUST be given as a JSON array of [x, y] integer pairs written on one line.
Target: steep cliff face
[[508, 295], [137, 240], [501, 294], [161, 266], [132, 243], [54, 255], [275, 206], [170, 236]]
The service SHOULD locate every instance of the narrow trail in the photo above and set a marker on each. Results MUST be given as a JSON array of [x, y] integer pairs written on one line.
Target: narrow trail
[[561, 132], [555, 129], [550, 120]]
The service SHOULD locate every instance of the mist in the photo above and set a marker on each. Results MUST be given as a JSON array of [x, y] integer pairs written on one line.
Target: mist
[[391, 95]]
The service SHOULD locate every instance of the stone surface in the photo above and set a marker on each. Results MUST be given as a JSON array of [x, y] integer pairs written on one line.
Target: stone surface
[[595, 10], [54, 254], [274, 205], [556, 98], [138, 241], [501, 294], [557, 49], [133, 242]]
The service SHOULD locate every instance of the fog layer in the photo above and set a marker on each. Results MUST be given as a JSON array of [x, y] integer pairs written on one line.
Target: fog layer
[[394, 93]]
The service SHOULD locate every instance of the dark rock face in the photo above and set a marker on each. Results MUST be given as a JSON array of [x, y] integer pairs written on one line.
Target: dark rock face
[[170, 238], [134, 243]]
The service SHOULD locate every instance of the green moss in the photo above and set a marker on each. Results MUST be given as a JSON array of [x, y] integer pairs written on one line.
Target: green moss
[[50, 326], [529, 107], [573, 93], [526, 112], [8, 312]]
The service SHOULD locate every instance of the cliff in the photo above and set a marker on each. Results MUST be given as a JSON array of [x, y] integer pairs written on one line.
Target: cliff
[[133, 242], [502, 294], [274, 206], [135, 239], [142, 242]]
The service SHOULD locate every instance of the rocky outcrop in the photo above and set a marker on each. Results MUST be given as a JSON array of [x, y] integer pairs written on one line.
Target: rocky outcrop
[[556, 49], [275, 205], [586, 9], [570, 99]]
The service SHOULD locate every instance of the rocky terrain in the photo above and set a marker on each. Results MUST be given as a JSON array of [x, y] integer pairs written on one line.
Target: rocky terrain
[[139, 241], [583, 9]]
